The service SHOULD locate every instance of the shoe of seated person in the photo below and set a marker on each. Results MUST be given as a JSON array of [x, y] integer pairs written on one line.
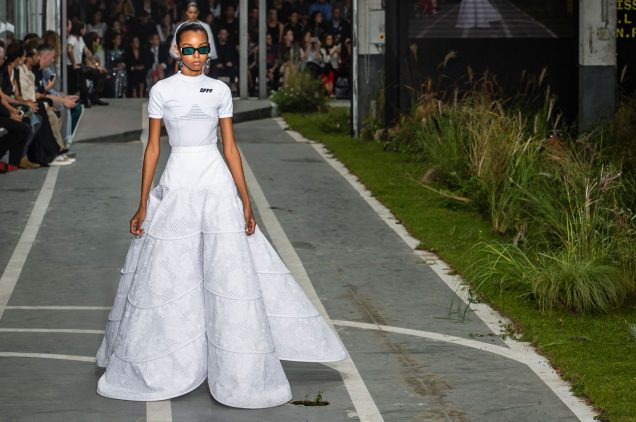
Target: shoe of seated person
[[101, 102], [25, 163], [5, 168], [61, 160]]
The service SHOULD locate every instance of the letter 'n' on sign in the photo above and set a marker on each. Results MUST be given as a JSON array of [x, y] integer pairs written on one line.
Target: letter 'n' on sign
[[206, 90]]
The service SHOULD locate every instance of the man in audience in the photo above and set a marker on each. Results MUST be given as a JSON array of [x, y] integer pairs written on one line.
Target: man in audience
[[67, 105], [227, 63]]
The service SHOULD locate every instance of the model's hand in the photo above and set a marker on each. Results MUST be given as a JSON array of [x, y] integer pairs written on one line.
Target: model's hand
[[136, 221], [250, 223]]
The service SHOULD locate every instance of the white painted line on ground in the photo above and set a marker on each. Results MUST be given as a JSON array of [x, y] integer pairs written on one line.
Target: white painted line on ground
[[159, 411], [366, 408], [50, 330], [489, 316], [57, 308], [47, 356], [442, 16], [156, 411], [14, 267], [473, 344]]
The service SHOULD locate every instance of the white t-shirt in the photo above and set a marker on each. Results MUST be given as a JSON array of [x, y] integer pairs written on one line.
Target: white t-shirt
[[213, 55], [78, 47], [190, 107]]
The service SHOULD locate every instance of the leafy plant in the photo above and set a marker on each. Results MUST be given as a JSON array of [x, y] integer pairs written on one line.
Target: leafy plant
[[303, 92]]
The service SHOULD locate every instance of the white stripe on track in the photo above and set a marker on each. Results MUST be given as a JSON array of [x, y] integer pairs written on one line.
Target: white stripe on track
[[159, 411], [156, 411], [50, 330], [366, 408], [57, 308], [47, 356], [14, 267]]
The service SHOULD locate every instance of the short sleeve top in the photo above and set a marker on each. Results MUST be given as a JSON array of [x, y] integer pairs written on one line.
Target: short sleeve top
[[190, 107]]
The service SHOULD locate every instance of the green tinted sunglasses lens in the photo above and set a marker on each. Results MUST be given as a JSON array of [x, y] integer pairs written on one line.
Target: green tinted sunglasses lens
[[188, 51]]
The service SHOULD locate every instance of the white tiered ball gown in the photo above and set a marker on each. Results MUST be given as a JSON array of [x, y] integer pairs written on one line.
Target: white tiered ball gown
[[198, 298]]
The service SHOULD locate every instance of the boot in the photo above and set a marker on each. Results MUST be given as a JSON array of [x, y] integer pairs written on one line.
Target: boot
[[26, 164]]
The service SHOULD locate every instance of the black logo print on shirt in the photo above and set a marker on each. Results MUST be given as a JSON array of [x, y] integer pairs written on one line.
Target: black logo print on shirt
[[206, 90]]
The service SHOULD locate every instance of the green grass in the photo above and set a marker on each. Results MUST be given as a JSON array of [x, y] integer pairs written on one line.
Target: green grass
[[596, 353]]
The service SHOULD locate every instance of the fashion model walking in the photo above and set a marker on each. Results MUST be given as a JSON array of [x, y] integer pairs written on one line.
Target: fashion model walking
[[202, 292]]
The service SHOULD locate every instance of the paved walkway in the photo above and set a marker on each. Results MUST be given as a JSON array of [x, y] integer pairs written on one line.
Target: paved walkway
[[65, 236], [514, 23]]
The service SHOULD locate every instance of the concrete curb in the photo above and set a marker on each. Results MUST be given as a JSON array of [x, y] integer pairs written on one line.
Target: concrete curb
[[239, 117]]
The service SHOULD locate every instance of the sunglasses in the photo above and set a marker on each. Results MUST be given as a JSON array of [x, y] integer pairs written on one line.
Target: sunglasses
[[188, 51]]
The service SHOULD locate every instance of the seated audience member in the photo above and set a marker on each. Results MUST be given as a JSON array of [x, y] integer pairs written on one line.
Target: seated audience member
[[68, 105], [271, 59], [274, 27], [310, 57], [116, 65], [316, 24], [330, 53], [295, 25], [226, 66], [84, 67], [323, 7], [158, 58], [97, 25], [14, 140], [41, 145], [338, 26], [289, 54], [137, 61]]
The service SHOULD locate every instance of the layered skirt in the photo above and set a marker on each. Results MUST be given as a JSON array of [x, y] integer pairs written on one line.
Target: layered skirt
[[199, 298]]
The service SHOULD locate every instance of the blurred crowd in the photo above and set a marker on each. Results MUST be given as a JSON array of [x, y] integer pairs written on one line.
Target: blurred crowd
[[37, 120], [120, 48]]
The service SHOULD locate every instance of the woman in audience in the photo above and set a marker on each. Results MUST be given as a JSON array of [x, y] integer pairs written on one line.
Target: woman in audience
[[116, 63], [136, 60], [274, 27], [330, 53], [316, 25]]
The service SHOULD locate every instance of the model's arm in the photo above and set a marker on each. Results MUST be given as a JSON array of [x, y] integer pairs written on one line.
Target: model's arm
[[151, 155], [233, 158]]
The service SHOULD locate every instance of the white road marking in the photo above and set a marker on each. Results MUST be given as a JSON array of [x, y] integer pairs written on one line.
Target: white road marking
[[366, 408], [58, 308], [48, 356], [159, 411], [156, 411], [14, 267], [495, 321], [50, 330], [446, 338]]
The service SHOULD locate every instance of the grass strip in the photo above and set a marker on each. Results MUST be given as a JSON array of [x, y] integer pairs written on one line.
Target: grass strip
[[596, 353]]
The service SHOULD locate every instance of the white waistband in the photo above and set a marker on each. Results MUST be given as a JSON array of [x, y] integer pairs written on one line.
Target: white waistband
[[194, 148]]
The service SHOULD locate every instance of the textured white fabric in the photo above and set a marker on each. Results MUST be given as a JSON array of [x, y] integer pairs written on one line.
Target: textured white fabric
[[198, 298]]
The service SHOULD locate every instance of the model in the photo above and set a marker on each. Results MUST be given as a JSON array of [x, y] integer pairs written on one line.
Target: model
[[202, 292]]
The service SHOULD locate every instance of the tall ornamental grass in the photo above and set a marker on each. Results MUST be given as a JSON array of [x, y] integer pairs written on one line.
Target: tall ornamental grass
[[561, 202]]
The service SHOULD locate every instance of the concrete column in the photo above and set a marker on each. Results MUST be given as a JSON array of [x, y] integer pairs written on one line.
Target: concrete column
[[262, 51], [243, 46], [597, 61], [63, 57]]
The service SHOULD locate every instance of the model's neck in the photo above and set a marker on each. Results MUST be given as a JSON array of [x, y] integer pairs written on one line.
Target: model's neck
[[187, 72]]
